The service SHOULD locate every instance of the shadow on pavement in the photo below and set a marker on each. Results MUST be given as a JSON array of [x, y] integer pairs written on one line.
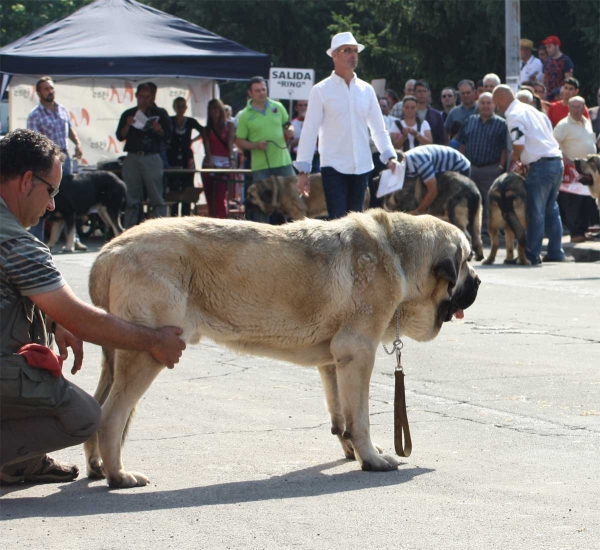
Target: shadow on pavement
[[78, 499]]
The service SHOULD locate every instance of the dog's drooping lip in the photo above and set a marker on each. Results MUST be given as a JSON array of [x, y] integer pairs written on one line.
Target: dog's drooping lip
[[586, 179]]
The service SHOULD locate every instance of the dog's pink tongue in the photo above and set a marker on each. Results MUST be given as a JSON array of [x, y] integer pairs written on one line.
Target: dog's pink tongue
[[460, 314]]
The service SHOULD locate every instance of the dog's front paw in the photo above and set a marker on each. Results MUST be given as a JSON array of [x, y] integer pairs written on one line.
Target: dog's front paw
[[380, 463], [126, 480], [488, 261]]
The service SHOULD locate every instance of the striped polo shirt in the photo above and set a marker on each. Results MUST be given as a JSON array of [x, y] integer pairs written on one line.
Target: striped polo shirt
[[484, 139], [428, 160], [26, 266]]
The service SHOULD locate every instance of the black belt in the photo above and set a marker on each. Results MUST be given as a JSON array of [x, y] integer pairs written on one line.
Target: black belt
[[141, 153], [486, 165], [543, 159]]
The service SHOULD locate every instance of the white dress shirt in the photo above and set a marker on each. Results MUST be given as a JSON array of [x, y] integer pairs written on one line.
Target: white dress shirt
[[529, 127], [533, 67], [341, 116]]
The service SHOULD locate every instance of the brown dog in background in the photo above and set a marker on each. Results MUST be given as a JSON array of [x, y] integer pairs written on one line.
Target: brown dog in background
[[508, 210]]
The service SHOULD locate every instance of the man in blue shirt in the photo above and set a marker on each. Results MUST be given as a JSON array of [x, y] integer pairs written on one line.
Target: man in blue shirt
[[427, 162], [483, 139]]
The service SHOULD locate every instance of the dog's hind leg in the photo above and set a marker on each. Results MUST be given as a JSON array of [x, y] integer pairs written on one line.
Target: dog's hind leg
[[134, 372], [91, 448], [510, 245], [107, 218], [495, 223]]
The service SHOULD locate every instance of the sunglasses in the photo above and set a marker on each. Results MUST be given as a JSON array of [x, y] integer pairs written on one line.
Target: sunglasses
[[53, 191], [348, 50]]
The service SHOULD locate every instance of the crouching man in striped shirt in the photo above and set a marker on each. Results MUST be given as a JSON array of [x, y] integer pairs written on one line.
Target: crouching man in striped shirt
[[427, 162], [40, 410]]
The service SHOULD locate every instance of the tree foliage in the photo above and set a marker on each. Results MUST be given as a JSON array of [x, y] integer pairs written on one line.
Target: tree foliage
[[442, 41]]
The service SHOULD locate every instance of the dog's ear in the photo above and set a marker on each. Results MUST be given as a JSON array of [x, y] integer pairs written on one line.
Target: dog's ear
[[448, 269]]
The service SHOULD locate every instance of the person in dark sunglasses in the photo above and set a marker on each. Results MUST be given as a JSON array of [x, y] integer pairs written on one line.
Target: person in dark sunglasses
[[40, 410]]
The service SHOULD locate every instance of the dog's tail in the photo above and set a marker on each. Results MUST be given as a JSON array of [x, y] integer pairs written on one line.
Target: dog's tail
[[508, 195], [99, 282]]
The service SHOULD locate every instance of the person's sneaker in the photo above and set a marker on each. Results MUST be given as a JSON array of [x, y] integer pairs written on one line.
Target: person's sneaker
[[564, 259], [80, 246], [48, 471]]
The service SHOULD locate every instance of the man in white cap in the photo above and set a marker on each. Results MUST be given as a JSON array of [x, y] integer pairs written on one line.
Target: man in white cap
[[342, 109]]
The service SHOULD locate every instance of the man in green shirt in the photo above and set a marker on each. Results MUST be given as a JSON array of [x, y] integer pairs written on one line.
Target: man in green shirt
[[263, 127]]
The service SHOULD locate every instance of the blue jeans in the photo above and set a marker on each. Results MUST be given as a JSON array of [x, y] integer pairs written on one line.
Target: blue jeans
[[542, 184], [343, 192]]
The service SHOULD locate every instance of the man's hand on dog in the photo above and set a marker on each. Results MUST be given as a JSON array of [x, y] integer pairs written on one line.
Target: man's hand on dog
[[168, 347], [64, 340], [304, 184]]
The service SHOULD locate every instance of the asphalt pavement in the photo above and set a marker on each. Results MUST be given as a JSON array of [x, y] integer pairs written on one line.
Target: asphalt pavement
[[504, 408]]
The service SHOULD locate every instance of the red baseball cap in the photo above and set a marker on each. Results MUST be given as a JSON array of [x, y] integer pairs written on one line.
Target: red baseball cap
[[552, 40]]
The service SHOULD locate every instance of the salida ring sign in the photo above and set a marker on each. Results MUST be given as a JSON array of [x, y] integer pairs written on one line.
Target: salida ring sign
[[290, 83]]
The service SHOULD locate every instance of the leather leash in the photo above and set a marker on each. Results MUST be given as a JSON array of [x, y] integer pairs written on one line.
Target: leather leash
[[402, 440]]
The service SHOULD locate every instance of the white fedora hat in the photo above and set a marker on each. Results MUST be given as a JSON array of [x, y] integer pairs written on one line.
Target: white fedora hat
[[343, 39]]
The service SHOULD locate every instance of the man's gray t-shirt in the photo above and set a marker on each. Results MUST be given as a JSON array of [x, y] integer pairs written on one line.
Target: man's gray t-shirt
[[26, 265]]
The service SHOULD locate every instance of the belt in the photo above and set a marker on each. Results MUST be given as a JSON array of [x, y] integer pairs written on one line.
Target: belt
[[544, 159], [141, 153], [486, 165]]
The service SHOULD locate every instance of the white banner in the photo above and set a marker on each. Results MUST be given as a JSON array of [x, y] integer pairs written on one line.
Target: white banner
[[95, 106], [290, 83]]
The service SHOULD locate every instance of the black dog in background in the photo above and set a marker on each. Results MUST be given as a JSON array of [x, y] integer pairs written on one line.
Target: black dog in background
[[79, 194]]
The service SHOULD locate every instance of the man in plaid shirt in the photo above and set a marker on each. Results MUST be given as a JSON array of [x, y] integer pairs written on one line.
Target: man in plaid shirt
[[52, 120]]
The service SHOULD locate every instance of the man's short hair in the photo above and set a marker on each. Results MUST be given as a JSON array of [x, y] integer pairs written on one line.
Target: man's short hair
[[393, 95], [153, 87], [41, 81], [494, 77], [423, 84], [466, 82], [572, 81], [144, 86], [479, 83], [486, 94], [23, 150], [256, 80], [577, 99], [383, 98], [449, 88]]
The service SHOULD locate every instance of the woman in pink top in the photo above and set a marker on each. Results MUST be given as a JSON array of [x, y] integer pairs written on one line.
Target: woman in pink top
[[218, 144]]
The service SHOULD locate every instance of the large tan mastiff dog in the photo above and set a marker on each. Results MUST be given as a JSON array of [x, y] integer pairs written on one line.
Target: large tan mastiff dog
[[315, 293]]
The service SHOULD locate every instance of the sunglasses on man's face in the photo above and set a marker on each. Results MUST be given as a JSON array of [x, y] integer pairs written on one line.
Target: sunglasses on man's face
[[348, 50], [53, 191]]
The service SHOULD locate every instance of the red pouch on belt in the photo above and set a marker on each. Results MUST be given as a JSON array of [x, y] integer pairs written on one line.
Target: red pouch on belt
[[42, 357]]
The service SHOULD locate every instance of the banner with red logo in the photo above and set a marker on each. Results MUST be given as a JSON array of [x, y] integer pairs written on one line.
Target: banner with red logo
[[95, 106]]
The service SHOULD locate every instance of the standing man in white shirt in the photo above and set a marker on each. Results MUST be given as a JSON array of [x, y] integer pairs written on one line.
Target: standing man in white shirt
[[531, 66], [535, 146], [342, 109]]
